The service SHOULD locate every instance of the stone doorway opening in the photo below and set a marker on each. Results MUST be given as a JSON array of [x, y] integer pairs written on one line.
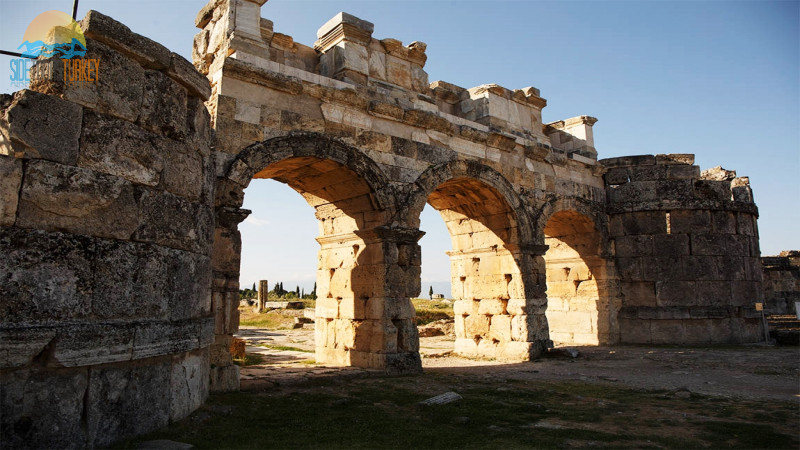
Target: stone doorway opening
[[580, 284]]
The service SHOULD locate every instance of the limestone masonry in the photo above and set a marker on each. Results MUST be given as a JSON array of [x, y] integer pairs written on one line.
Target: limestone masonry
[[120, 203]]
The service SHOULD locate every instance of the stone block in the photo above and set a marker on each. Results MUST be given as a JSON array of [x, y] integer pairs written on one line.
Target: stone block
[[148, 53], [681, 159], [661, 268], [638, 293], [466, 347], [47, 277], [631, 246], [157, 338], [713, 190], [529, 328], [487, 348], [645, 222], [671, 245], [46, 126], [492, 306], [164, 109], [681, 172], [701, 268], [184, 73], [64, 198], [518, 351], [389, 308], [476, 325], [641, 191], [634, 331], [724, 222], [43, 408], [623, 161], [117, 92], [169, 220], [667, 332], [183, 170], [91, 344], [398, 72], [19, 346], [466, 307], [517, 306], [10, 180], [616, 175], [690, 221], [119, 148], [745, 224], [118, 395], [675, 293], [647, 173], [500, 328], [188, 383]]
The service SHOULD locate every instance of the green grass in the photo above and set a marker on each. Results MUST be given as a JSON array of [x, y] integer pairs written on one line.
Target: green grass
[[428, 311], [285, 348], [383, 412], [250, 359], [272, 320]]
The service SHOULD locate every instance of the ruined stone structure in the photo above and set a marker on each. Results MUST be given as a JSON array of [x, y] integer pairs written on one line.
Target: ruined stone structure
[[121, 202], [781, 282]]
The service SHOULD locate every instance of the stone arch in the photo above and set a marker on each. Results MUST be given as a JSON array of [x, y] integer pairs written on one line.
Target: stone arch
[[493, 267], [582, 287], [439, 174], [257, 157], [364, 316]]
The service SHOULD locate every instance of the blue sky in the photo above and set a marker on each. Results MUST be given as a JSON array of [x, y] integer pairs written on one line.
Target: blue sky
[[719, 79]]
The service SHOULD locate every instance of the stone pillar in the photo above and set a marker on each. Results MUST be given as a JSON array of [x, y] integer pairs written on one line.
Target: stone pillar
[[263, 292], [225, 297], [500, 302], [343, 42], [364, 314]]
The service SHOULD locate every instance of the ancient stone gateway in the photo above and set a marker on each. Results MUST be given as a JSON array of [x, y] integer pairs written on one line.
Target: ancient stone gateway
[[119, 221]]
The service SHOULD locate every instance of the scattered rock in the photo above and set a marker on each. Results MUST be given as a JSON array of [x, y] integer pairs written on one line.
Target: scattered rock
[[562, 352], [443, 399]]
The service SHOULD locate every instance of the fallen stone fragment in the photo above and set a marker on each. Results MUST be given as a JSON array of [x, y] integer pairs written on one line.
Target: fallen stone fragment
[[164, 444], [443, 399]]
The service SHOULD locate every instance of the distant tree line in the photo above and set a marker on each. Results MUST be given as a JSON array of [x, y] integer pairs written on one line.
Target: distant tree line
[[278, 292]]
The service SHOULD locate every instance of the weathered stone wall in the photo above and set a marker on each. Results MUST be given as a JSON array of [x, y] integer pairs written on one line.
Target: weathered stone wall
[[106, 214], [781, 280], [686, 250]]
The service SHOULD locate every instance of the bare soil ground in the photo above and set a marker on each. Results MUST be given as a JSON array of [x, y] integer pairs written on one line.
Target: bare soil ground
[[754, 372]]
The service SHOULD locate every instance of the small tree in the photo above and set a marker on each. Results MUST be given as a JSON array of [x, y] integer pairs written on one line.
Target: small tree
[[314, 292], [282, 292], [430, 292], [254, 286]]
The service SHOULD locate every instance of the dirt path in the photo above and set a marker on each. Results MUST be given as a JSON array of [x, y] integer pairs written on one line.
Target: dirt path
[[748, 372]]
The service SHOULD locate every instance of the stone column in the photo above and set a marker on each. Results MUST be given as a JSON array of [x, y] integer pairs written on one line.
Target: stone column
[[263, 292], [225, 296], [365, 317], [500, 303]]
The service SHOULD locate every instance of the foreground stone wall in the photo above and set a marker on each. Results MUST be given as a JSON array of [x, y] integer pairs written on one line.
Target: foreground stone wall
[[686, 250], [105, 218], [781, 282]]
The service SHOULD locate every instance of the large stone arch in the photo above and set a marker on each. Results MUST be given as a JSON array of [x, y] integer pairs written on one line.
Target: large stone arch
[[364, 315], [494, 268], [582, 286]]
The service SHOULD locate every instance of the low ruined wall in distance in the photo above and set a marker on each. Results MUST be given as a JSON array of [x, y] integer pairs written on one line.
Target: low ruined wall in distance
[[781, 282], [106, 196]]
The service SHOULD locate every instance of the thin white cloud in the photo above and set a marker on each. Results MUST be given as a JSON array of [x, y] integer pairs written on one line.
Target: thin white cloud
[[255, 221]]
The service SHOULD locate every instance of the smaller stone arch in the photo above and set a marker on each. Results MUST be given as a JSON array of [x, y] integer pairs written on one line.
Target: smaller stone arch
[[494, 273], [439, 174], [582, 286]]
